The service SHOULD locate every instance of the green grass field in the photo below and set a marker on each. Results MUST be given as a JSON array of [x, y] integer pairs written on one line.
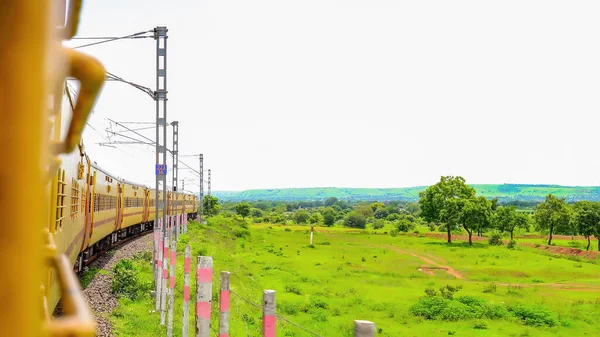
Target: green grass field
[[350, 275]]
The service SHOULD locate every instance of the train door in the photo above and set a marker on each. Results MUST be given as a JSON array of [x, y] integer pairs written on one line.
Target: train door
[[119, 217], [89, 204], [146, 212]]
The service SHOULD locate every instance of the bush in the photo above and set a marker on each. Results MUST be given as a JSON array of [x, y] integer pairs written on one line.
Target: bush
[[378, 224], [394, 232], [534, 315], [429, 307], [490, 288], [288, 229], [455, 311], [448, 291], [479, 324], [355, 220], [430, 292], [495, 240], [432, 227], [126, 283], [292, 288], [512, 244]]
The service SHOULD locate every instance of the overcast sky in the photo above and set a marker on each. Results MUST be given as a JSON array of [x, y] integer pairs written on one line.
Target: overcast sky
[[363, 93]]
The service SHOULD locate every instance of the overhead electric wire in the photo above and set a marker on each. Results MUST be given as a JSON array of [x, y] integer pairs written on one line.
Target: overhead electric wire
[[130, 36]]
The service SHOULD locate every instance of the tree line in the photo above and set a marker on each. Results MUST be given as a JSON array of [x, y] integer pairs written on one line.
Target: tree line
[[452, 203], [448, 205]]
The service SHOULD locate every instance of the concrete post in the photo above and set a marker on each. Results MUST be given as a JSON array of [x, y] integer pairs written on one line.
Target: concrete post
[[176, 224], [364, 329], [186, 292], [159, 265], [269, 312], [173, 268], [224, 305], [163, 294], [203, 295]]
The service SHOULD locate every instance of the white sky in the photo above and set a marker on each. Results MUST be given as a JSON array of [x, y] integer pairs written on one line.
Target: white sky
[[363, 93]]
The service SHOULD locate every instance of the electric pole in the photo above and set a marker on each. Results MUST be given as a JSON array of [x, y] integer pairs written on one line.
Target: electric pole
[[175, 153], [201, 188], [209, 197]]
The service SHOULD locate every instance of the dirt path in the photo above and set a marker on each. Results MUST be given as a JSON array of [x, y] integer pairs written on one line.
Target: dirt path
[[427, 269], [432, 265]]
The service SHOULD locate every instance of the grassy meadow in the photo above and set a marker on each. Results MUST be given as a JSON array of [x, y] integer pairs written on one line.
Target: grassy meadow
[[356, 274]]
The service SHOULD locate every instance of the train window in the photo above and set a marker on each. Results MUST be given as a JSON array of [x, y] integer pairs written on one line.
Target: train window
[[96, 202], [82, 200], [60, 199], [74, 197]]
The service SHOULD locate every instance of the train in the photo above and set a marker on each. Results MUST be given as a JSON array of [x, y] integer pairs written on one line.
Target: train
[[59, 208], [92, 210]]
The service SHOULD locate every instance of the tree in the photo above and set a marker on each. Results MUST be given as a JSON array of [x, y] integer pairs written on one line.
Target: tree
[[413, 208], [330, 201], [377, 205], [443, 202], [381, 213], [256, 212], [475, 212], [301, 216], [586, 219], [243, 209], [355, 220], [507, 219], [365, 210], [316, 218], [329, 216], [215, 206], [552, 214]]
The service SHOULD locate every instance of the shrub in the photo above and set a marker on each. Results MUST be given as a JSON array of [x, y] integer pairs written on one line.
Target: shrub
[[432, 227], [495, 240], [241, 233], [292, 288], [512, 244], [429, 307], [378, 224], [455, 311], [448, 291], [394, 232], [324, 243], [430, 292], [480, 324], [319, 303], [288, 229], [126, 283], [355, 220], [490, 288], [534, 315]]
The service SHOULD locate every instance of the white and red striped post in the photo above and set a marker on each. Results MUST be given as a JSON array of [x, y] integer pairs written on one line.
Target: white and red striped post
[[165, 272], [364, 329], [176, 226], [186, 292], [203, 295], [224, 300], [269, 312], [159, 261], [172, 286]]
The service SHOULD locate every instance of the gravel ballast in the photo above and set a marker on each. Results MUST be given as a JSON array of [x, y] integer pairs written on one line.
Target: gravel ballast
[[98, 293]]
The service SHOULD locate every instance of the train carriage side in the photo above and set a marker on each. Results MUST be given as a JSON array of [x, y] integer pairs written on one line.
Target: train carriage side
[[133, 212], [106, 215]]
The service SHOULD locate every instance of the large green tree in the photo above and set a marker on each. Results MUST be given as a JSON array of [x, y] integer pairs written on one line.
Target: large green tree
[[212, 207], [243, 209], [355, 219], [301, 216], [586, 218], [443, 202], [328, 216], [475, 213], [552, 214], [506, 219]]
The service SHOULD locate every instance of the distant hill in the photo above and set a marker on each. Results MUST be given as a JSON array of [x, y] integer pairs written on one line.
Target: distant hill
[[504, 192]]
